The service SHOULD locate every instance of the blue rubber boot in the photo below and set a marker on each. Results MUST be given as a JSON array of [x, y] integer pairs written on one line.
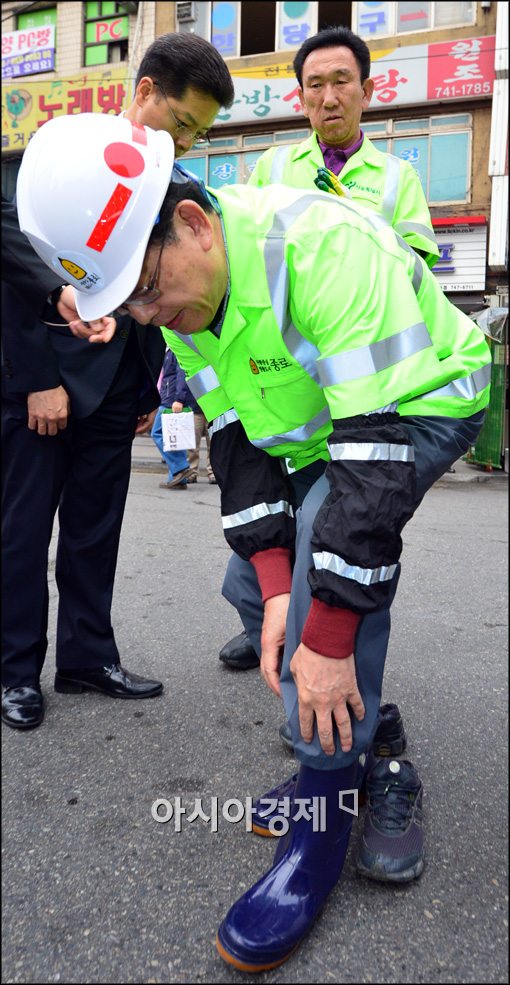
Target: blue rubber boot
[[389, 740], [264, 927]]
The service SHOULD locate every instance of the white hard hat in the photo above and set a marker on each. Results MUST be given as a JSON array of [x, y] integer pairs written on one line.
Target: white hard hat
[[89, 191]]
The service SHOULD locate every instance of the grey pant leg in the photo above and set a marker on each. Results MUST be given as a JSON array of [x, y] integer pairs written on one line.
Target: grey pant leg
[[370, 651], [438, 442], [241, 589]]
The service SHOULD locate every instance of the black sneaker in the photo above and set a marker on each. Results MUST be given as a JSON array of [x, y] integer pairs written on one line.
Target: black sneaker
[[389, 740], [392, 841]]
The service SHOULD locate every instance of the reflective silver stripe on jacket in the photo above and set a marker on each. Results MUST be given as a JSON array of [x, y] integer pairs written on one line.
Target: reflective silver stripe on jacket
[[256, 513], [467, 387], [390, 193], [230, 417], [304, 352], [416, 227], [324, 561], [278, 165], [203, 382], [418, 263], [388, 409], [371, 359], [359, 451], [187, 339], [274, 254], [301, 433]]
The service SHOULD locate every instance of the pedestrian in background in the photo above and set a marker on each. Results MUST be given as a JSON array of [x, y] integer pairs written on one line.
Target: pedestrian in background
[[173, 393]]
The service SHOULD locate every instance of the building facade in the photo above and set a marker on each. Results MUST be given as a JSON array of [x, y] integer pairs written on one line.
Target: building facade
[[438, 76]]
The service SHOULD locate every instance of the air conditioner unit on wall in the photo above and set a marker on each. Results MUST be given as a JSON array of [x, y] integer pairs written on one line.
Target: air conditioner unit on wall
[[130, 8], [186, 12]]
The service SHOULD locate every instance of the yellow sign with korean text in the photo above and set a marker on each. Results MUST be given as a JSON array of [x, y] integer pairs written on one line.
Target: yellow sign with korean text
[[26, 104]]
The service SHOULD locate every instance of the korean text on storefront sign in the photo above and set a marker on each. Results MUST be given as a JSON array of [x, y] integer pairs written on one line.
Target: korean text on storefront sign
[[29, 51]]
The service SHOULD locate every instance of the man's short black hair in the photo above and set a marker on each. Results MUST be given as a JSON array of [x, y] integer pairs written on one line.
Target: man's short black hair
[[182, 61], [180, 188], [334, 37]]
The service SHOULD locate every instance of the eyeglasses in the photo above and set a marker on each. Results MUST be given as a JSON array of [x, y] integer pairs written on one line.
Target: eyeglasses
[[181, 129], [149, 292]]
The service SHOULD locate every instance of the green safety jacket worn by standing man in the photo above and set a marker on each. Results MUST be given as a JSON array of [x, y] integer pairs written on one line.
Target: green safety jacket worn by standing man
[[334, 331], [379, 181]]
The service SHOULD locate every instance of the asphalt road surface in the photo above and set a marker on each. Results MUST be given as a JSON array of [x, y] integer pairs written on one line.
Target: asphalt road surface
[[96, 890]]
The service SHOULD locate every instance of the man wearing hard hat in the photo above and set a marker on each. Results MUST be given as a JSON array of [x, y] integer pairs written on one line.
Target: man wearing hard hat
[[338, 379]]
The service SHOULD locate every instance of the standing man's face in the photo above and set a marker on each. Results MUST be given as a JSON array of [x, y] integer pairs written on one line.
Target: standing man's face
[[185, 119], [333, 96]]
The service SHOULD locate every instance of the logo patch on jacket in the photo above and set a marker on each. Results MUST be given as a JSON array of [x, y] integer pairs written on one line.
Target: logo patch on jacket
[[271, 365], [362, 188]]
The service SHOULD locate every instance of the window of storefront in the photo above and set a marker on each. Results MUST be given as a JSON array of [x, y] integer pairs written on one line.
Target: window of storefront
[[38, 18], [438, 147], [230, 160], [106, 33], [256, 27], [380, 19]]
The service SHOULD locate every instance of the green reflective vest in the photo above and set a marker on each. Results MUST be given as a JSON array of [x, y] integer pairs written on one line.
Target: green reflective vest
[[386, 184], [330, 314]]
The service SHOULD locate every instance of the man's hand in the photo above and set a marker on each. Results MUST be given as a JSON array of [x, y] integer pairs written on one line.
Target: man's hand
[[48, 410], [177, 407], [325, 688], [101, 330], [145, 422], [272, 640]]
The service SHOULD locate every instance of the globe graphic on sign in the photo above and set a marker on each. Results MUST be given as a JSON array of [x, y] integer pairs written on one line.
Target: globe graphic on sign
[[18, 104]]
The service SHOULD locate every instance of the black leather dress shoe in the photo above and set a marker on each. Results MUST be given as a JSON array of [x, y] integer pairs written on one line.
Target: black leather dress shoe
[[239, 653], [22, 707], [113, 680]]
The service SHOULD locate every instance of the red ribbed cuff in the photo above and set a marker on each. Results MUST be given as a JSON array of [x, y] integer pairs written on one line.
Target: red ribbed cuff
[[330, 631], [273, 571]]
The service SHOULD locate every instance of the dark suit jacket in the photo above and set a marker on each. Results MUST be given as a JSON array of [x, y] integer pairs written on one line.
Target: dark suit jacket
[[36, 357]]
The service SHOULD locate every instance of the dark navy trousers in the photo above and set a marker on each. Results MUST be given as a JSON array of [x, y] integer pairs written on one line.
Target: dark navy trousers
[[83, 472]]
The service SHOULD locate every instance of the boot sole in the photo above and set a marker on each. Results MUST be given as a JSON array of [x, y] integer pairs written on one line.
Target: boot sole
[[244, 966]]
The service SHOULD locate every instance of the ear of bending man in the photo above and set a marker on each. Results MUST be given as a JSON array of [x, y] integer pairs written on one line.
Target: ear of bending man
[[339, 379], [70, 410]]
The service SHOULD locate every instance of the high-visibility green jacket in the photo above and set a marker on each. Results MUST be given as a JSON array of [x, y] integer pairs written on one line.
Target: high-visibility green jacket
[[331, 317], [379, 181]]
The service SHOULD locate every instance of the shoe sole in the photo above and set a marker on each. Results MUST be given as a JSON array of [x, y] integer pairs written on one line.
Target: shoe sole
[[77, 687], [263, 832], [244, 966], [239, 666], [23, 725], [380, 875]]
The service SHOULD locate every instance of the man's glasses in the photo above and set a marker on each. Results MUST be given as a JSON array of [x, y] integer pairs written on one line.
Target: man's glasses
[[149, 292], [181, 129]]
